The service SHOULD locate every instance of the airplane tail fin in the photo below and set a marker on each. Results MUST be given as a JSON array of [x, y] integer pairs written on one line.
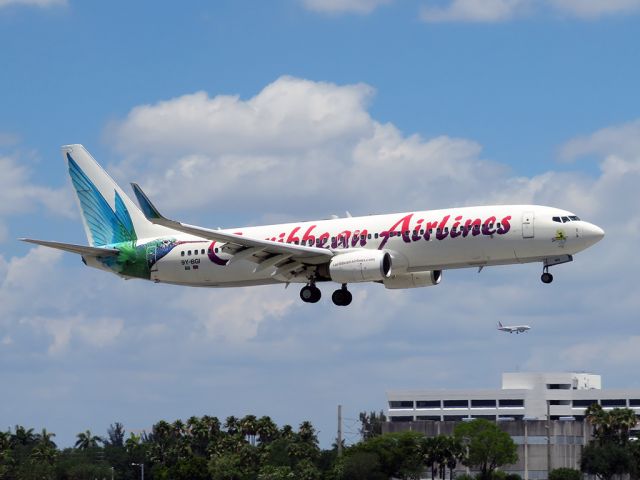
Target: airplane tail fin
[[108, 214], [499, 324]]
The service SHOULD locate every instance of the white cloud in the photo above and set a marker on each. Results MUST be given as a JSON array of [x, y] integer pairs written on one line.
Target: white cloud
[[286, 143], [34, 3], [345, 6], [236, 315], [619, 140], [592, 9], [26, 299], [18, 195], [489, 11], [475, 11]]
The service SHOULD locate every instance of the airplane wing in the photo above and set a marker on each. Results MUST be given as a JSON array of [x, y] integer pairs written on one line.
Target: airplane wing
[[79, 249], [248, 246]]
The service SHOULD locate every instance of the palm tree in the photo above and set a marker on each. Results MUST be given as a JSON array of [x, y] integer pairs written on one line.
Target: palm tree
[[622, 420], [45, 437], [23, 436], [86, 440], [248, 426], [306, 432], [598, 418], [267, 430], [231, 424]]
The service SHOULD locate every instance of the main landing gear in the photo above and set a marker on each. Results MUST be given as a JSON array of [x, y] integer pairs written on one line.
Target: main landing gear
[[546, 277], [342, 297], [310, 293]]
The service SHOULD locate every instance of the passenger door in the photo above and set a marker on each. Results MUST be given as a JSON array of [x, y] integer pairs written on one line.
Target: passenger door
[[528, 224]]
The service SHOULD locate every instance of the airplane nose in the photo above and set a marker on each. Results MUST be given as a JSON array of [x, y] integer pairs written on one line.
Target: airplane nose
[[593, 233]]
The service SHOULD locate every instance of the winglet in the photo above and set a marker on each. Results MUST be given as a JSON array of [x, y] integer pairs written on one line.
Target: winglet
[[149, 210]]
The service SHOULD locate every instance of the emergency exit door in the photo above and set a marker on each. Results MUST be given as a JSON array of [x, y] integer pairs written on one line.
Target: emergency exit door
[[527, 225]]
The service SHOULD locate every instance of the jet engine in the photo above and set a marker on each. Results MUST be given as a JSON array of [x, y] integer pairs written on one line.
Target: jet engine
[[413, 280], [360, 266]]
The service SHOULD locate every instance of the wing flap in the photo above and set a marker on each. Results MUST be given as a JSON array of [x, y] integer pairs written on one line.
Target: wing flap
[[72, 248]]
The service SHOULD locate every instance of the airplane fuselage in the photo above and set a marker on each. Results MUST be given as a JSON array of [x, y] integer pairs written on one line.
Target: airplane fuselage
[[416, 241]]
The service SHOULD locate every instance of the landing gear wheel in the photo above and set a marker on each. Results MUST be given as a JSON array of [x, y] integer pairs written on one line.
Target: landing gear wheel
[[342, 297], [546, 277], [310, 294]]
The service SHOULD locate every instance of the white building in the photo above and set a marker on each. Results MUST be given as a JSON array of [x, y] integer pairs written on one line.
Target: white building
[[522, 396]]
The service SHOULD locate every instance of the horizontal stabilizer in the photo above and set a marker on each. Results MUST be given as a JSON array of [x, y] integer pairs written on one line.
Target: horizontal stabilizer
[[79, 249]]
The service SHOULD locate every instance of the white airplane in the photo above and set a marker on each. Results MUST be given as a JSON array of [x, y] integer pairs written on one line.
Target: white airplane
[[399, 250], [513, 328]]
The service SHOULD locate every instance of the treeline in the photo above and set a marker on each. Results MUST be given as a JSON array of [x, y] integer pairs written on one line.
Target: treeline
[[251, 448]]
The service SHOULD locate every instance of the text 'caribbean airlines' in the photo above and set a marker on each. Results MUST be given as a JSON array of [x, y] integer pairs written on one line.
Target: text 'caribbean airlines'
[[399, 250]]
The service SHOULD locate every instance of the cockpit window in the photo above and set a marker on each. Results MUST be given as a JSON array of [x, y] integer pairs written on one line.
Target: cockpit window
[[565, 219], [557, 219], [574, 218]]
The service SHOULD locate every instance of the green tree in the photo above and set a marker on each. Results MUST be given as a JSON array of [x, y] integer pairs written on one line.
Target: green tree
[[360, 466], [605, 459], [86, 440], [488, 447], [115, 435], [565, 474], [399, 454], [371, 424]]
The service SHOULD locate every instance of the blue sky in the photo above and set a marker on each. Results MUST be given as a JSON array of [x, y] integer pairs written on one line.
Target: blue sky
[[238, 112]]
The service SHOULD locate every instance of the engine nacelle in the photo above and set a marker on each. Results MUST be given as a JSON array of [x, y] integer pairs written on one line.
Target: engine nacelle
[[360, 266], [413, 280]]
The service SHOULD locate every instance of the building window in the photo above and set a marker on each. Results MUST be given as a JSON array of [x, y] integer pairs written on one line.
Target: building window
[[583, 403], [510, 417], [401, 404], [634, 402], [559, 386], [511, 402], [427, 403], [431, 418], [621, 402], [453, 418], [456, 403], [559, 402], [483, 404], [485, 417], [402, 419]]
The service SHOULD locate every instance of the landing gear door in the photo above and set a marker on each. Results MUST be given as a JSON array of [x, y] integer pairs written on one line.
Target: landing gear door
[[527, 224]]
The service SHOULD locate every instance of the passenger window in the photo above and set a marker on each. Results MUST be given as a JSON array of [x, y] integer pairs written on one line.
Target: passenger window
[[446, 229], [438, 230], [182, 253], [209, 250], [369, 236], [189, 252], [362, 237], [202, 251], [421, 232], [375, 235], [216, 250]]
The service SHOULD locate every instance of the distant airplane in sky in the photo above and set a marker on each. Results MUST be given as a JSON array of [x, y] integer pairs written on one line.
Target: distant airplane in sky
[[513, 328], [400, 250]]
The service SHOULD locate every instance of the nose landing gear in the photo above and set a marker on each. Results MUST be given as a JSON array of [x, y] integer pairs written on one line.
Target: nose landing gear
[[546, 277], [342, 297]]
